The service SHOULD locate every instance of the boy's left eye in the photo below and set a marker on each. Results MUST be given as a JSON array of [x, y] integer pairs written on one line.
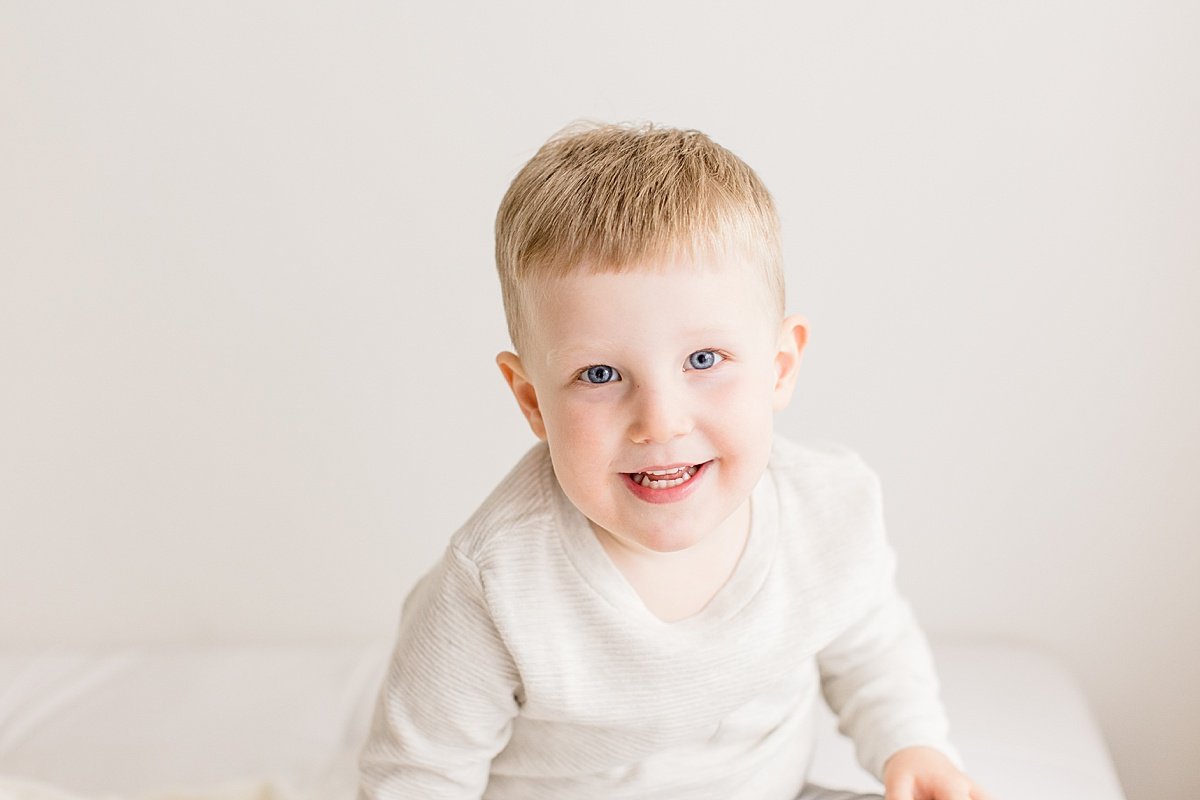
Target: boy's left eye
[[705, 359]]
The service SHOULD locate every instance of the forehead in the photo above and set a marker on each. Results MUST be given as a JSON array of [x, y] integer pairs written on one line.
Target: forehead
[[586, 309]]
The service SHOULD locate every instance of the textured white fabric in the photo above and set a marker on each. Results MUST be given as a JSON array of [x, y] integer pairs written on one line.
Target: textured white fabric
[[527, 667], [212, 719]]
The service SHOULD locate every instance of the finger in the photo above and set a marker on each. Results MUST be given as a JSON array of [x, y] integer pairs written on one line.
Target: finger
[[978, 793], [947, 787], [899, 789]]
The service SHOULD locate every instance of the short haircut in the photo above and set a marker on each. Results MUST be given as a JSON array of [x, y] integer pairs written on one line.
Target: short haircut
[[607, 197]]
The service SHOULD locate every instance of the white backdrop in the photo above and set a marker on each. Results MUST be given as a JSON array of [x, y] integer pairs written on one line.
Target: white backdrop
[[248, 308]]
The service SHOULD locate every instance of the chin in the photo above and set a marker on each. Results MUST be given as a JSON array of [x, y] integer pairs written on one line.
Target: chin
[[668, 542]]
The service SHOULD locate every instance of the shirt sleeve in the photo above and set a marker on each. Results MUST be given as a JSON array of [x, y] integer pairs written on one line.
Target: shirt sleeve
[[446, 706], [878, 675]]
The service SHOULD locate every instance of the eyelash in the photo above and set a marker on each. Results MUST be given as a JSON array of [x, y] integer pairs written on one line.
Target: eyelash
[[720, 355]]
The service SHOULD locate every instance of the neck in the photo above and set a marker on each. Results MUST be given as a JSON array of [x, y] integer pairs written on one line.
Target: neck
[[676, 585]]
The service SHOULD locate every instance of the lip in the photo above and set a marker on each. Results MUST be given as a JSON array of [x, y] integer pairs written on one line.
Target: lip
[[672, 495]]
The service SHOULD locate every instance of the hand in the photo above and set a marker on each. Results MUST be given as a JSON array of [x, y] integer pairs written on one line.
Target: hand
[[923, 773]]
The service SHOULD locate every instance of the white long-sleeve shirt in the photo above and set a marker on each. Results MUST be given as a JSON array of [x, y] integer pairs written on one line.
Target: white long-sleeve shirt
[[527, 667]]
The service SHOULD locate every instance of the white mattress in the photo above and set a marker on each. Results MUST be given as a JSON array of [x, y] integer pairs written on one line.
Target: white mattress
[[286, 722]]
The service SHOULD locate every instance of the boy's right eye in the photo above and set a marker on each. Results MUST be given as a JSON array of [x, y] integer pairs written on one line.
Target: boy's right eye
[[600, 373]]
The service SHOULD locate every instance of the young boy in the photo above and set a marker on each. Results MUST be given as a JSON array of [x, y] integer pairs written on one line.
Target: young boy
[[649, 603]]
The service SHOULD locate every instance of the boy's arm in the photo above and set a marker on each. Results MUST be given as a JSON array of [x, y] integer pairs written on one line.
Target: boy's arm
[[879, 677], [446, 706]]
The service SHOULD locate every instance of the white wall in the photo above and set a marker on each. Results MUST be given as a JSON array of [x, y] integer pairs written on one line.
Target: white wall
[[248, 309]]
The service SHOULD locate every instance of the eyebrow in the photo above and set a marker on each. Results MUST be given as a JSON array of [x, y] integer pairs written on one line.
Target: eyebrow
[[571, 355]]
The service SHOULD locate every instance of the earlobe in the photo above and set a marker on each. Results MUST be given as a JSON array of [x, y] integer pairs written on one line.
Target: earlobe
[[793, 336], [523, 390]]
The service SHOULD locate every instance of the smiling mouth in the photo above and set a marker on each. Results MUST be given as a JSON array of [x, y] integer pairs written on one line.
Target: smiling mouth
[[665, 479]]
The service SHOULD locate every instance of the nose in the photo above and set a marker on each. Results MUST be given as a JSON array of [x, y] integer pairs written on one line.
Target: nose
[[660, 413]]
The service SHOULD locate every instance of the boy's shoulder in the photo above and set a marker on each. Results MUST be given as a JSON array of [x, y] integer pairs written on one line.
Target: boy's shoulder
[[818, 463], [834, 490], [521, 509]]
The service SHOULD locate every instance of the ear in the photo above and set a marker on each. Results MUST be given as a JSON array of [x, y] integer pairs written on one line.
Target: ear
[[522, 389], [793, 335]]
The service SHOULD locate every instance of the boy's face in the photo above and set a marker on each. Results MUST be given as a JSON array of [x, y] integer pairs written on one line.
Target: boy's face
[[650, 370]]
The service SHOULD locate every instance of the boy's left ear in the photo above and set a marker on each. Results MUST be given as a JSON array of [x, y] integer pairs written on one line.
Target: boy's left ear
[[793, 335]]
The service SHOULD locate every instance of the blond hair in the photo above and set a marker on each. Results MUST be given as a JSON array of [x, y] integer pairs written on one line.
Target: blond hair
[[608, 197]]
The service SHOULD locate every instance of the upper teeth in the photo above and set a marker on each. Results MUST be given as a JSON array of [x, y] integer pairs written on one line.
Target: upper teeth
[[685, 473]]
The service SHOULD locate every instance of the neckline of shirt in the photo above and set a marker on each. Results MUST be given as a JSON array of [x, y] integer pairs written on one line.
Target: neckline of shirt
[[594, 566]]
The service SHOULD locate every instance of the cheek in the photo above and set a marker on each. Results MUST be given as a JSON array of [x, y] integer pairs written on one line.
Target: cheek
[[580, 430], [750, 393], [744, 409], [578, 419]]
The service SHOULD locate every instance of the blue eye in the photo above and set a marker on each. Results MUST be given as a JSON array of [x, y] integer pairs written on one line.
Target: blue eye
[[705, 359], [600, 374]]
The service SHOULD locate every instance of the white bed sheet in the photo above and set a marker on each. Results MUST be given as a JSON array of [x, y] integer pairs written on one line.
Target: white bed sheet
[[285, 723], [1021, 723]]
